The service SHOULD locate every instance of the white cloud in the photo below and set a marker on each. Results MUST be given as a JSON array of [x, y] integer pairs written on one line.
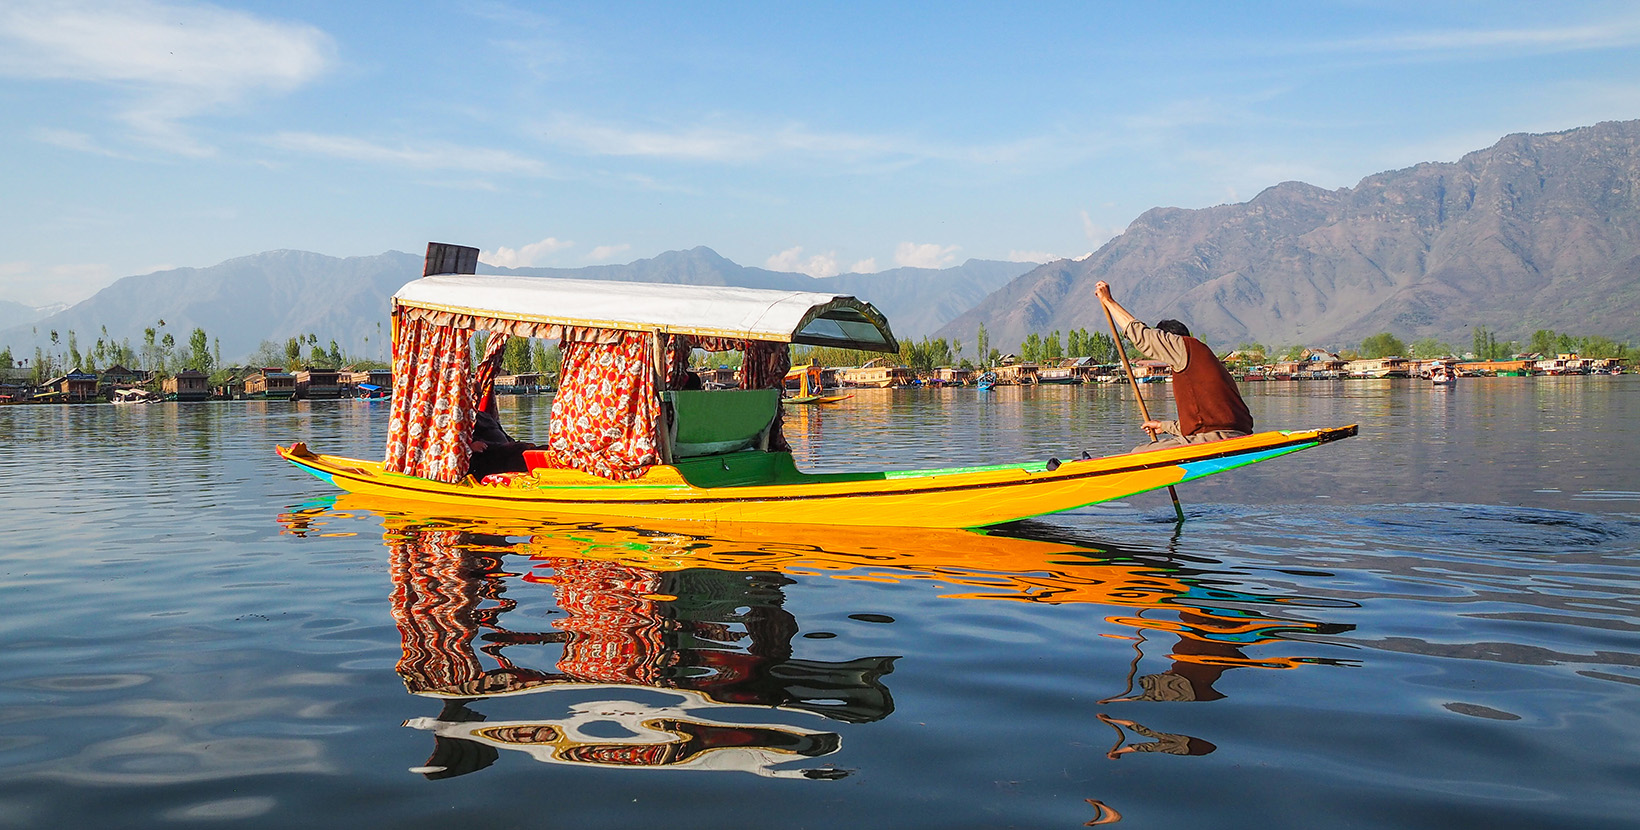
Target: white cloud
[[1032, 256], [525, 257], [431, 156], [791, 259], [864, 266], [753, 142], [603, 253], [1607, 35], [171, 61], [36, 286], [926, 255], [71, 140], [1097, 234]]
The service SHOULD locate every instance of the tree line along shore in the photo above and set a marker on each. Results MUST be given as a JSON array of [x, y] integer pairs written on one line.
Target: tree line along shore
[[302, 367]]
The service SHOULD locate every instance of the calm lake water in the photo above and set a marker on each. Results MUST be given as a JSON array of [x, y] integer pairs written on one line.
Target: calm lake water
[[1433, 625]]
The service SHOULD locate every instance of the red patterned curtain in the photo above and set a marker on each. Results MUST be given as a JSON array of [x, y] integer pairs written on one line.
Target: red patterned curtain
[[764, 366], [432, 414], [603, 419], [488, 367]]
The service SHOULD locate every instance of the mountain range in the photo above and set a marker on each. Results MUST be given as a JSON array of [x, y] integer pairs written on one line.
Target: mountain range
[[1537, 231], [278, 294]]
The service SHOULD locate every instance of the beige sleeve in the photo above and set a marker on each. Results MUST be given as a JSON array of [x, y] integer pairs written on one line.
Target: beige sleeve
[[1158, 345]]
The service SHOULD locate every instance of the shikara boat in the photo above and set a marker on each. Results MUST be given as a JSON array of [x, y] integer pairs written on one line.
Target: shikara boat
[[808, 387], [628, 440]]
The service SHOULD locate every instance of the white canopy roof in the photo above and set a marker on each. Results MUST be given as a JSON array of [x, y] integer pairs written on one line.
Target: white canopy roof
[[814, 319]]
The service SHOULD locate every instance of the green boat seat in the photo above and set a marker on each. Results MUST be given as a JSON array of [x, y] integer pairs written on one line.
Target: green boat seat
[[711, 422]]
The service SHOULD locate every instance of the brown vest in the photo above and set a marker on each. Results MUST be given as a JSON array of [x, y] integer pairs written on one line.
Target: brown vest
[[1206, 395]]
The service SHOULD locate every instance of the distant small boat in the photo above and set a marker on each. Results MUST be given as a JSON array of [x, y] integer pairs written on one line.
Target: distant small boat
[[808, 385], [1443, 377], [987, 381], [132, 396]]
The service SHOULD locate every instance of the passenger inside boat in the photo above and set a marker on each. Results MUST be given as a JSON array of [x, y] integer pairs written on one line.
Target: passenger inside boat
[[493, 450]]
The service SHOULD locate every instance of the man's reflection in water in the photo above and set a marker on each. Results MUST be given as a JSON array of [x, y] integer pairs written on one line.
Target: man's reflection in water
[[1166, 743], [1210, 642], [713, 638]]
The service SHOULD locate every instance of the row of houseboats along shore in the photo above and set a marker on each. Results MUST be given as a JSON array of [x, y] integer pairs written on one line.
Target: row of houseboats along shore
[[120, 385]]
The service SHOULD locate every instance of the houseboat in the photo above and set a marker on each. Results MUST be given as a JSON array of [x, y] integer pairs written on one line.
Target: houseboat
[[627, 439], [876, 374], [74, 387], [269, 383], [317, 384], [1378, 368], [1151, 371], [1015, 373], [186, 385], [1496, 368]]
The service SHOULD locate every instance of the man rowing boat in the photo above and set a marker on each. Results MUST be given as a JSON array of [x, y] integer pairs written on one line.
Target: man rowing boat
[[1210, 407]]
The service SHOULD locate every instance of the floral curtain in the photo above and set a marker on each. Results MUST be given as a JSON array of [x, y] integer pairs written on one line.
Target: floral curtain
[[488, 367], [432, 413], [603, 419], [764, 366]]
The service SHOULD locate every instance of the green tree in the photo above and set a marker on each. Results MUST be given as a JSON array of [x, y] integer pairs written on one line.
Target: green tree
[[6, 363], [199, 353], [543, 358], [1383, 344], [293, 353], [1052, 349], [1429, 347], [982, 343], [1030, 351], [167, 347], [515, 356], [1544, 342], [1484, 344]]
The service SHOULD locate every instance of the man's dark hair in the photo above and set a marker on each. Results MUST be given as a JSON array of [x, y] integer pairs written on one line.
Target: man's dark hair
[[1173, 327]]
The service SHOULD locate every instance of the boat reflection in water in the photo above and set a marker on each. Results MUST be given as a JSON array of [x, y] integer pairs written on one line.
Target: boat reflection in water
[[675, 637]]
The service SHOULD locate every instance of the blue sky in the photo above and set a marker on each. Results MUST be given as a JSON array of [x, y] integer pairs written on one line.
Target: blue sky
[[822, 138]]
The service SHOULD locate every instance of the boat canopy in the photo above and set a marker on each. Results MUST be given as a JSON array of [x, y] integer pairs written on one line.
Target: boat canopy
[[543, 307], [623, 344]]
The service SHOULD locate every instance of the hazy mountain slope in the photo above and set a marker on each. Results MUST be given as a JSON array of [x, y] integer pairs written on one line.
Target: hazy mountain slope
[[274, 295], [1537, 231]]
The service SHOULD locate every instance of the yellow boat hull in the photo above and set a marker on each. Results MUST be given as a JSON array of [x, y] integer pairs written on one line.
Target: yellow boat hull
[[764, 487]]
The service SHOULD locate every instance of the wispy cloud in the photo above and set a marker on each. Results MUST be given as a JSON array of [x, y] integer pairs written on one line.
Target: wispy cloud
[[170, 62], [1607, 35], [604, 253], [925, 255], [43, 285], [755, 143], [427, 156], [524, 257], [72, 140], [1096, 233], [864, 266], [1032, 256], [792, 259]]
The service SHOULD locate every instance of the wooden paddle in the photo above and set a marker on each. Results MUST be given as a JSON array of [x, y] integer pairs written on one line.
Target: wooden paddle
[[1178, 509]]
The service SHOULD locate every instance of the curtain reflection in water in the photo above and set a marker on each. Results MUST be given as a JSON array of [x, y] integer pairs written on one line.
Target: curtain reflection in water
[[714, 639]]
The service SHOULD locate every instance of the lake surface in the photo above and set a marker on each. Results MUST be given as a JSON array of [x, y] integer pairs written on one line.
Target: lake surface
[[1435, 624]]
